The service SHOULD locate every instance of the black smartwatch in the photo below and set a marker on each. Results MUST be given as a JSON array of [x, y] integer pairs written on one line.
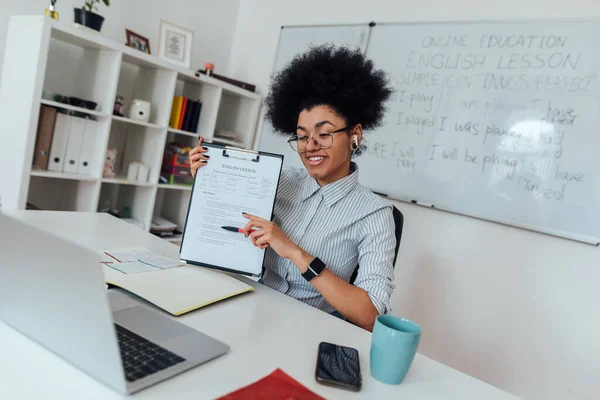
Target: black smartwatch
[[315, 268]]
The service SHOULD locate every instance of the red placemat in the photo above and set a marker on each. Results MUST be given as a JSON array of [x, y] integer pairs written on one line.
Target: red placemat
[[276, 386]]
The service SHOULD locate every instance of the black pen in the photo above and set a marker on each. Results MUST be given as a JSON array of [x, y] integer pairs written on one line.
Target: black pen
[[234, 229]]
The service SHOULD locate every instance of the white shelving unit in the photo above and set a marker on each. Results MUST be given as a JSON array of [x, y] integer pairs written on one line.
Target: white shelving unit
[[61, 175], [72, 108], [42, 57], [184, 133], [186, 188]]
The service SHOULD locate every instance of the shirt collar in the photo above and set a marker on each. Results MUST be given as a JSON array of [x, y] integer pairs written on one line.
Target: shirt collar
[[333, 192]]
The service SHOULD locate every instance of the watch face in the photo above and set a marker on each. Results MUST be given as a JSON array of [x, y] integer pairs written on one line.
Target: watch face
[[314, 269], [317, 266]]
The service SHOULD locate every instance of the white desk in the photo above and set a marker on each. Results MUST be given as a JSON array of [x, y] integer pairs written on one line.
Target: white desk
[[265, 330]]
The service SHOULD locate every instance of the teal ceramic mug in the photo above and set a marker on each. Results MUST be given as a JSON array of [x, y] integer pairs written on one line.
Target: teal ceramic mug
[[393, 347]]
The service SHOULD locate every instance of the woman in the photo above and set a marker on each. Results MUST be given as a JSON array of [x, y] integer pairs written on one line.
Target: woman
[[325, 223]]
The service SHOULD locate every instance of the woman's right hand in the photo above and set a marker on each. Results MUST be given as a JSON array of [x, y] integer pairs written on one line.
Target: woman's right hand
[[197, 157]]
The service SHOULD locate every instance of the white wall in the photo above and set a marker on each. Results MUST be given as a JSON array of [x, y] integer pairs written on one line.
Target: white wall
[[213, 22], [514, 308]]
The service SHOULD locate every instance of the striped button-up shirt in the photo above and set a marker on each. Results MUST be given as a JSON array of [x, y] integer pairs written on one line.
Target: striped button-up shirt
[[342, 223]]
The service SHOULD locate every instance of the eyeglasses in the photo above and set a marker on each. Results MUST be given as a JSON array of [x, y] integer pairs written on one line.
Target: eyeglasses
[[322, 140]]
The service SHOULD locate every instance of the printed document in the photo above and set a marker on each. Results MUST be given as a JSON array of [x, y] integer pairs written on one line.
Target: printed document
[[223, 189]]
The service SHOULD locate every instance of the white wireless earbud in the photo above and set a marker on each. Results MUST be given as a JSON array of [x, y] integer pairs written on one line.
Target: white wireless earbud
[[354, 145]]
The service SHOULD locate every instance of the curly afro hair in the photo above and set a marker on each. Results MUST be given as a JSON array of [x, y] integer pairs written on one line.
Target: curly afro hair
[[338, 77]]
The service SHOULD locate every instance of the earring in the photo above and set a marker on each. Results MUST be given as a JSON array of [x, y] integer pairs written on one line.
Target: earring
[[354, 145]]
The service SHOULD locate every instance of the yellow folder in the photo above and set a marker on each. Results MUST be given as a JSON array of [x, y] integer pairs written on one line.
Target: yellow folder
[[178, 290], [176, 111]]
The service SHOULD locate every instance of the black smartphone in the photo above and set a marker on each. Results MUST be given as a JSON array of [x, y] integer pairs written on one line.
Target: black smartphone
[[338, 366]]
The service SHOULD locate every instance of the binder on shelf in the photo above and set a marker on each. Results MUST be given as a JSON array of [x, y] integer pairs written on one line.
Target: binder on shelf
[[59, 143], [193, 113], [197, 117], [43, 141], [191, 104], [197, 105], [182, 114], [176, 111], [74, 143], [88, 148], [234, 181]]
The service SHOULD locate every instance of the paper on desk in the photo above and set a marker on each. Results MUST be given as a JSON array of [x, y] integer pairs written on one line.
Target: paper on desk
[[144, 255], [132, 267], [105, 258]]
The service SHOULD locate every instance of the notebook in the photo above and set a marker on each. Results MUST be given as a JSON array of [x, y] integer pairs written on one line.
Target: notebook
[[178, 290]]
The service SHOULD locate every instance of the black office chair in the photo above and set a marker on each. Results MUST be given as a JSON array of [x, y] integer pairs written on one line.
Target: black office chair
[[399, 222]]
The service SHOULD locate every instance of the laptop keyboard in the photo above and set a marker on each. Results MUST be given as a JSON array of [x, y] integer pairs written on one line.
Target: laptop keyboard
[[141, 357]]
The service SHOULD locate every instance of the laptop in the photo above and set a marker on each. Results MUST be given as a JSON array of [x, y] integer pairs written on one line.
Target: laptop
[[53, 291]]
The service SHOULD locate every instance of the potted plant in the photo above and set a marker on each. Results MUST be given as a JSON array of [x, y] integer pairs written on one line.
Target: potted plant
[[87, 17]]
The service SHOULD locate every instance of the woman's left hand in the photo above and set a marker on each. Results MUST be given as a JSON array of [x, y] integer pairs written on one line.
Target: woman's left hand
[[269, 234]]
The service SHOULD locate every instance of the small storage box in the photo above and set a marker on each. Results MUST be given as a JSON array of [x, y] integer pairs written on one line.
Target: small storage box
[[179, 180], [177, 174]]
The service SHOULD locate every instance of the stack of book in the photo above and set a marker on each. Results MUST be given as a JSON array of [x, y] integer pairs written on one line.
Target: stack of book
[[185, 114], [163, 228]]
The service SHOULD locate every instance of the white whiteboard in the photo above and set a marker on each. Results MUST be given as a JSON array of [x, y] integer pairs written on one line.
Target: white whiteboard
[[497, 120], [296, 40]]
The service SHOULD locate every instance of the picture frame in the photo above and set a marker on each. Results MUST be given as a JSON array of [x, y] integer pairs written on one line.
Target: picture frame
[[137, 41], [175, 44]]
